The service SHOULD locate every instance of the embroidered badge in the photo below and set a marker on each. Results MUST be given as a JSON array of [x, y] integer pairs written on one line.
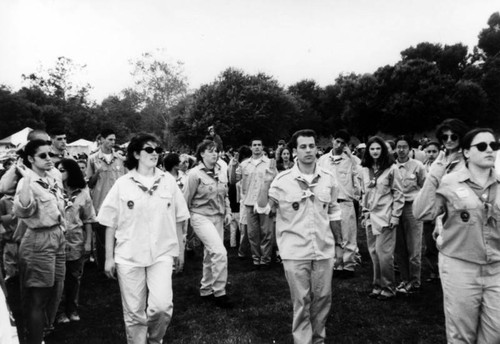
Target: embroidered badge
[[130, 204], [295, 205], [465, 216]]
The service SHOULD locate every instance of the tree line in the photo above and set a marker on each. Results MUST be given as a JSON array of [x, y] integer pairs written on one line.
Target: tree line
[[429, 83]]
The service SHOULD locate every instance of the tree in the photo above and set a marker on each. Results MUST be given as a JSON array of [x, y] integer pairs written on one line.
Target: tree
[[489, 38], [241, 107], [309, 97], [159, 84], [58, 81]]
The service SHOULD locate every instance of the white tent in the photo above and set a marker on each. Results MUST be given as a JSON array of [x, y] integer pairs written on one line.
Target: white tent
[[15, 140], [81, 146]]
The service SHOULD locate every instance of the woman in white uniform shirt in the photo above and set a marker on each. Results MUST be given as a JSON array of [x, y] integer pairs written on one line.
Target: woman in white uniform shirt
[[144, 212]]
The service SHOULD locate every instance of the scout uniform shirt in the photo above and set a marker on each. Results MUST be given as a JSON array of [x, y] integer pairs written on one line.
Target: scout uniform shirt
[[304, 212]]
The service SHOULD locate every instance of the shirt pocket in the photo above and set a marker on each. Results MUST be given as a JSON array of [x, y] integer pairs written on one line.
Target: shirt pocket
[[410, 181], [292, 204], [465, 211], [165, 199], [131, 206], [48, 211], [324, 198]]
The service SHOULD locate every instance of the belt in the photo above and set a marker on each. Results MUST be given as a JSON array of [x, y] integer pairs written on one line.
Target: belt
[[46, 228]]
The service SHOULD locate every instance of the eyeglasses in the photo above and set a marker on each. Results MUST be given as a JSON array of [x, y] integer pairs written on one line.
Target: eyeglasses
[[44, 155], [482, 146], [150, 150], [452, 137]]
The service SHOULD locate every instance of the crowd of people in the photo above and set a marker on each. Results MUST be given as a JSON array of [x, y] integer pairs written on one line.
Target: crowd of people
[[137, 214]]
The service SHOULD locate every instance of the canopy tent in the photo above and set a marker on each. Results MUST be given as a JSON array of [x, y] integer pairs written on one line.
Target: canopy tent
[[81, 146], [15, 140]]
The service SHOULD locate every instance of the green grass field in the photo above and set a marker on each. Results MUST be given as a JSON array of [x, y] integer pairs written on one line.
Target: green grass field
[[263, 311]]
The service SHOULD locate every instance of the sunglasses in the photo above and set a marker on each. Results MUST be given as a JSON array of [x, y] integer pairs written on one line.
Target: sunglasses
[[44, 155], [150, 150], [452, 137], [482, 146]]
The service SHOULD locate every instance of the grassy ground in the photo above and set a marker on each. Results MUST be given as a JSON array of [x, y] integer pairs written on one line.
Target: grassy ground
[[263, 312]]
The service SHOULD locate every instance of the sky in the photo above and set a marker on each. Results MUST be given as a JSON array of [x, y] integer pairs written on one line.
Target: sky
[[290, 40]]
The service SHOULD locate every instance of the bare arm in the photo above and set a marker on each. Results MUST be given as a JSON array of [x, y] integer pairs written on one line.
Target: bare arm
[[109, 266]]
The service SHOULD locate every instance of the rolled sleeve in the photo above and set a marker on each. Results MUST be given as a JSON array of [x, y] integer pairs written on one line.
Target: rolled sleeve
[[20, 210]]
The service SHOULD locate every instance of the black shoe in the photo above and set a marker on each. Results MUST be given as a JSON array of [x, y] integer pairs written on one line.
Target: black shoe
[[338, 273], [348, 274], [207, 298], [223, 302], [265, 266]]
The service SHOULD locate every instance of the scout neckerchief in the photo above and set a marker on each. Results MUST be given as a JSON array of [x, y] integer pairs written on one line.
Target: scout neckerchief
[[52, 189], [69, 200], [103, 158], [374, 176], [336, 159], [145, 189], [307, 189], [452, 164], [214, 173]]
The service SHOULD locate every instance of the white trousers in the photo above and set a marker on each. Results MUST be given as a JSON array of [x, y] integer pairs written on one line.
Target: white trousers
[[310, 283], [147, 300], [471, 299], [210, 230]]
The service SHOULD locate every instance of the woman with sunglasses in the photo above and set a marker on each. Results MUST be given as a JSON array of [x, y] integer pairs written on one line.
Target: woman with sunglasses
[[80, 215], [469, 245], [206, 194], [39, 202], [382, 205], [144, 213]]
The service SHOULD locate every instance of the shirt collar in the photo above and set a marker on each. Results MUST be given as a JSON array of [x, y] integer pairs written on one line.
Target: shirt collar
[[298, 175], [158, 173], [463, 175]]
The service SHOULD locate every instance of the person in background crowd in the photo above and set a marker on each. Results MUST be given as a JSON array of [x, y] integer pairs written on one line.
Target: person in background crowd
[[415, 152], [284, 161], [431, 252], [469, 244], [212, 135], [8, 246], [144, 212], [244, 153], [40, 204], [391, 147], [360, 150], [6, 165], [59, 145], [251, 172], [171, 163], [103, 169], [450, 133], [382, 205], [82, 164], [340, 162], [409, 232], [304, 198], [207, 200], [79, 215]]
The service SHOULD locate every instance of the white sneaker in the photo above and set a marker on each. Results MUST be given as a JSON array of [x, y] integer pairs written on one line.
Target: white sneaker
[[62, 319], [74, 317]]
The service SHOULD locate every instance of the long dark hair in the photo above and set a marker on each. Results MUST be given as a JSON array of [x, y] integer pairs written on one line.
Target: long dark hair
[[75, 176], [384, 161]]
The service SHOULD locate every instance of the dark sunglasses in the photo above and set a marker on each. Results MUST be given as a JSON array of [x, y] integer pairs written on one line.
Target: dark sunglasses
[[150, 150], [44, 155], [452, 137], [482, 146]]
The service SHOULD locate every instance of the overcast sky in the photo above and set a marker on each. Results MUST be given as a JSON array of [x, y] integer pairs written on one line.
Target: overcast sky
[[288, 39]]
